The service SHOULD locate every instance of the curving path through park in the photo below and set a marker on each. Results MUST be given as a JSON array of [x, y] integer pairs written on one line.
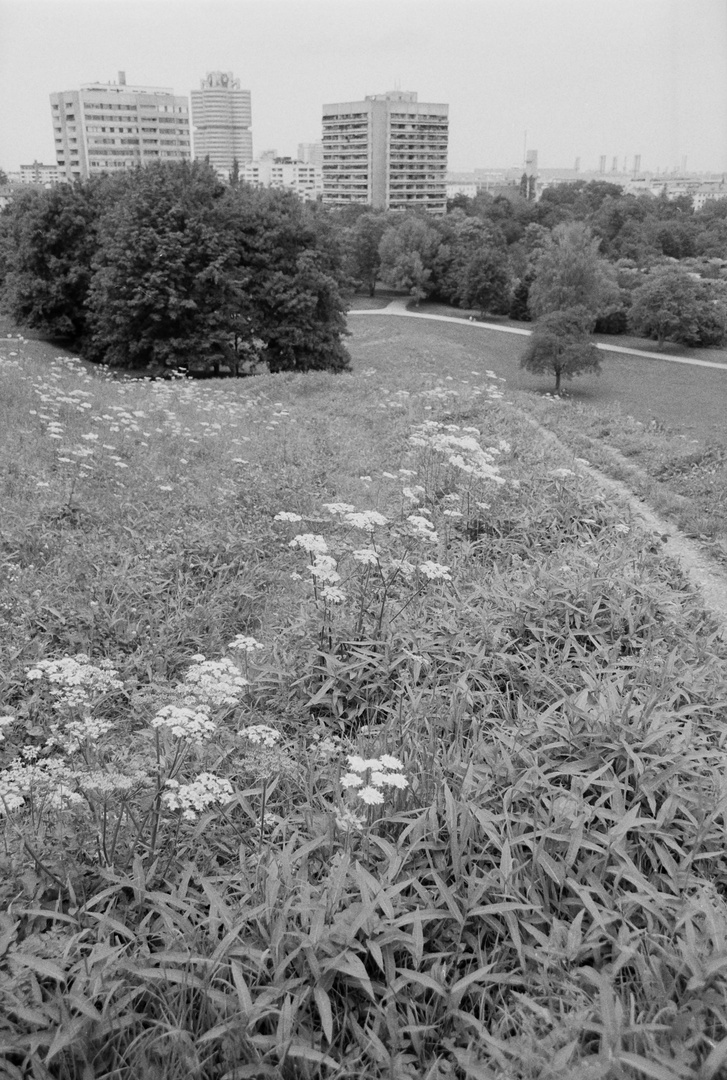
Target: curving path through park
[[398, 307]]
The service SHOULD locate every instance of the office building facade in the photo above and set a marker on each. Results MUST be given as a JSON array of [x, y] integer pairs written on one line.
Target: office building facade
[[222, 118], [109, 127], [388, 151], [270, 171]]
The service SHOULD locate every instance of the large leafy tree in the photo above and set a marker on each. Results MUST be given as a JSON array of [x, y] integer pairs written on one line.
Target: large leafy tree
[[161, 290], [560, 345], [408, 252], [193, 274], [672, 305], [49, 240], [570, 273], [362, 242], [289, 275], [470, 268]]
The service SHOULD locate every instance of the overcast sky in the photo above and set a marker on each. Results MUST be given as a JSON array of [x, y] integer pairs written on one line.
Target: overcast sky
[[582, 77]]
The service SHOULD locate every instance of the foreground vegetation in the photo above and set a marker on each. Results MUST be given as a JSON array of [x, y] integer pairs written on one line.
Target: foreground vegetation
[[348, 731]]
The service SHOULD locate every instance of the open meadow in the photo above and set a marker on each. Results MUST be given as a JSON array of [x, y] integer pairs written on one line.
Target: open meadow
[[347, 730]]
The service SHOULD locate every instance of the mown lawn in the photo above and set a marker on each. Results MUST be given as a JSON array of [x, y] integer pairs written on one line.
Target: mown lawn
[[348, 731]]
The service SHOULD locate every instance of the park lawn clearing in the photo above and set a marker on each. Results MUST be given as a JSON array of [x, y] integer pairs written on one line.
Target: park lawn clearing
[[349, 729], [659, 427]]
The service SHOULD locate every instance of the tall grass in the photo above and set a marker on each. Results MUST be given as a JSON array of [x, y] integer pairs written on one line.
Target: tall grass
[[462, 807]]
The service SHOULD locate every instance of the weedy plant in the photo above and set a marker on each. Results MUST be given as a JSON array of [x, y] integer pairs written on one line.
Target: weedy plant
[[347, 731]]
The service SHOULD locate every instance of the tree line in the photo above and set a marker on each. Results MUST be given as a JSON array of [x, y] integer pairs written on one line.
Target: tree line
[[166, 267]]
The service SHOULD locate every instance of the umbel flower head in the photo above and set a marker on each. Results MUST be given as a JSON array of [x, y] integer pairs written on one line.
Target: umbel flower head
[[214, 682], [367, 777], [192, 798]]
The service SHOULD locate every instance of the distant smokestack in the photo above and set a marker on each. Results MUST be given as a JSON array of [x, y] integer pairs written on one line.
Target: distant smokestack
[[122, 78], [614, 165], [578, 165], [637, 163], [602, 163]]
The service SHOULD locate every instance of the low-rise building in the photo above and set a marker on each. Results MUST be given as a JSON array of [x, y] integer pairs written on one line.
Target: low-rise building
[[268, 171], [39, 174]]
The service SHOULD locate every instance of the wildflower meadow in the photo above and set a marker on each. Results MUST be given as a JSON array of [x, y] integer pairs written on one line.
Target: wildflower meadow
[[347, 729]]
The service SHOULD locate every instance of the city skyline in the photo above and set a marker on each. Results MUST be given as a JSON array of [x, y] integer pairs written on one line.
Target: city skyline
[[570, 78]]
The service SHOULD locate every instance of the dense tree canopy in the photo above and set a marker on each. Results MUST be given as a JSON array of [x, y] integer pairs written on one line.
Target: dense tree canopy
[[166, 266], [569, 273], [672, 305]]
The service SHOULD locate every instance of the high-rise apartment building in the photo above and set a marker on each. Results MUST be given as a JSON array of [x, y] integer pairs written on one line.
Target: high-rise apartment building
[[107, 127], [221, 116], [389, 151]]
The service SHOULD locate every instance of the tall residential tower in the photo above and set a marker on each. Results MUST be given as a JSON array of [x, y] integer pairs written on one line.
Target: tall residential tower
[[221, 115], [108, 127], [389, 151]]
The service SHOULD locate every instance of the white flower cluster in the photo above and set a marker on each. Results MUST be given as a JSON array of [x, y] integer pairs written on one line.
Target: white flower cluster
[[323, 569], [367, 776], [423, 528], [413, 494], [193, 798], [338, 509], [112, 783], [186, 722], [367, 520], [286, 515], [435, 571], [75, 681], [461, 449], [70, 736], [214, 682], [245, 644], [51, 783], [260, 734], [310, 542], [368, 556]]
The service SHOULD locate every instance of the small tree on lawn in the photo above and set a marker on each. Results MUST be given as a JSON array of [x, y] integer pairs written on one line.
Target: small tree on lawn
[[560, 343]]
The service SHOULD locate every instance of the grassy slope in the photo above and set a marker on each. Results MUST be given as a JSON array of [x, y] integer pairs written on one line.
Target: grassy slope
[[667, 420], [544, 899]]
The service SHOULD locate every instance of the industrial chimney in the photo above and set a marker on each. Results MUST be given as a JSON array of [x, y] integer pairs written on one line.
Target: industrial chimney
[[122, 78], [637, 164], [602, 164]]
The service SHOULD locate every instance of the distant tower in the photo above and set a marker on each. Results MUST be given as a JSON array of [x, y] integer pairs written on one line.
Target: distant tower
[[602, 164], [311, 153], [221, 117], [577, 165], [614, 165], [637, 164]]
